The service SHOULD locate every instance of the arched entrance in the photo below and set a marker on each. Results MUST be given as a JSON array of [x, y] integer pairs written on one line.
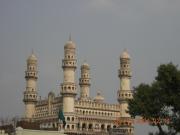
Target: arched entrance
[[84, 126], [102, 127], [108, 127], [78, 125], [90, 127], [68, 127]]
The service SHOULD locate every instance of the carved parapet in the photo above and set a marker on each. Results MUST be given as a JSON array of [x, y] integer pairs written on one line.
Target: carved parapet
[[69, 63], [68, 88], [124, 95]]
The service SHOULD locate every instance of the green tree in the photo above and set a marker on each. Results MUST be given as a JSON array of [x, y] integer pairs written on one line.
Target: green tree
[[159, 102]]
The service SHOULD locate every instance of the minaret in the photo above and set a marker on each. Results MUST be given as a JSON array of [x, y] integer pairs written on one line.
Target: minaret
[[84, 82], [30, 94], [125, 92], [68, 87]]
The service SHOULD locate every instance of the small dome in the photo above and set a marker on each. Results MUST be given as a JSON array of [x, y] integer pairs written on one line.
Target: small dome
[[51, 94], [19, 128], [125, 55], [99, 97], [32, 57], [70, 45], [85, 65]]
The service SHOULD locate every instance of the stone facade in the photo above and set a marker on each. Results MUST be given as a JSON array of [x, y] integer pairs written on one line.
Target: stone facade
[[21, 131], [83, 115], [2, 132]]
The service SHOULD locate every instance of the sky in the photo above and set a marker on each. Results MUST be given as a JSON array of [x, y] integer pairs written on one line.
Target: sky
[[101, 29]]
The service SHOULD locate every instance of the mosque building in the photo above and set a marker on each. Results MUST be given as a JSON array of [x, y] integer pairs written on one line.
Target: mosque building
[[84, 114]]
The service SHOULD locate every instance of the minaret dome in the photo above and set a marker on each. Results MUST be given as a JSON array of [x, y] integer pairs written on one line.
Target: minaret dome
[[31, 58], [125, 55], [70, 44], [85, 66]]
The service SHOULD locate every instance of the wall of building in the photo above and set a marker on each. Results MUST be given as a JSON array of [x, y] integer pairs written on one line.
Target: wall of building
[[29, 110], [21, 131], [2, 132]]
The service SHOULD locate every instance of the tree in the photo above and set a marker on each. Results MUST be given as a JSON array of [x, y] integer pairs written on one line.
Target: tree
[[159, 102], [169, 82]]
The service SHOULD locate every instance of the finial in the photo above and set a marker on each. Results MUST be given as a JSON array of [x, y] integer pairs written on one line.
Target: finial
[[125, 54], [85, 61], [98, 92], [125, 49], [32, 51], [85, 64], [70, 37]]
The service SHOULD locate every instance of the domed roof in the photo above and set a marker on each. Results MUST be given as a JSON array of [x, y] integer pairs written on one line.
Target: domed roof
[[70, 44], [99, 97], [51, 93], [85, 65], [125, 55], [19, 128], [32, 57]]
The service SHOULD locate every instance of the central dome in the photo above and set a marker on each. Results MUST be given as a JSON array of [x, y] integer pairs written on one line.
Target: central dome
[[99, 97]]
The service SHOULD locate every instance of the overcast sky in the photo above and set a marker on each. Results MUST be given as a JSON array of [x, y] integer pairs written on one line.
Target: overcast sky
[[101, 29]]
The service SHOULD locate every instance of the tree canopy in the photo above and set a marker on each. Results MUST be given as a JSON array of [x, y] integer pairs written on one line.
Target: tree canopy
[[159, 102]]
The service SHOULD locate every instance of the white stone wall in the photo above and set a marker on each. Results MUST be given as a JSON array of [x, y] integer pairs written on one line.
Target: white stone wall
[[2, 132], [29, 110], [125, 84], [84, 91], [68, 104], [31, 83], [124, 108], [69, 75], [20, 131]]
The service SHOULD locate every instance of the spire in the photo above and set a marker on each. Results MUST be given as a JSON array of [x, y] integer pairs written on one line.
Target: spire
[[32, 57], [70, 37], [125, 50], [84, 61], [70, 44], [85, 65], [98, 92], [32, 51]]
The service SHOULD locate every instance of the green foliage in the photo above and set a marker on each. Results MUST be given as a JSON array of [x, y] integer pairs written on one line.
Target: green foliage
[[146, 102], [169, 82], [159, 100]]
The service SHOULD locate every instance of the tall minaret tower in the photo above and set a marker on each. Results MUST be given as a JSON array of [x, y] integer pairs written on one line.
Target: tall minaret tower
[[125, 92], [30, 94], [84, 82], [68, 87]]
